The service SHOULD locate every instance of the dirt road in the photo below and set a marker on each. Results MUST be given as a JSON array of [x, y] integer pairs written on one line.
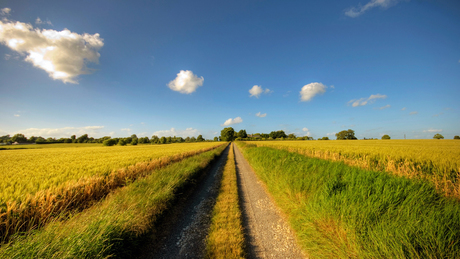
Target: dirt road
[[268, 234]]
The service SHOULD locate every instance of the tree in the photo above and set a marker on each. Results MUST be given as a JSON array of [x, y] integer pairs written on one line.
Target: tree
[[155, 139], [346, 134], [242, 134], [227, 134], [438, 136], [109, 142], [216, 139], [20, 138], [277, 134], [192, 139], [122, 142], [292, 136], [456, 137], [134, 141], [325, 138], [386, 136], [163, 140], [82, 138]]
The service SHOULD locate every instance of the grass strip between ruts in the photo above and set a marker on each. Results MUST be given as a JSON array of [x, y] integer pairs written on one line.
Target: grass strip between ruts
[[338, 211], [226, 238], [116, 224]]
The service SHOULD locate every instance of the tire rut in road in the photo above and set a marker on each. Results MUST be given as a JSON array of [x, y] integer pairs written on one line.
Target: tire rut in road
[[267, 232], [183, 231]]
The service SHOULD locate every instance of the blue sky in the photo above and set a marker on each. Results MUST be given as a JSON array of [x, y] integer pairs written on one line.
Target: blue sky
[[186, 68]]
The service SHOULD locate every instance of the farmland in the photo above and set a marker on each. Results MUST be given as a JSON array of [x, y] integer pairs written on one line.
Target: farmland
[[435, 160]]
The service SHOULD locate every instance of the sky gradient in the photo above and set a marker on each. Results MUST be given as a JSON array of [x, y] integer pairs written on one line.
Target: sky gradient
[[184, 68]]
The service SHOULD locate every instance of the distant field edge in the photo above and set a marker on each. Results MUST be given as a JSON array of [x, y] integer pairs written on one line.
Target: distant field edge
[[340, 211], [38, 209]]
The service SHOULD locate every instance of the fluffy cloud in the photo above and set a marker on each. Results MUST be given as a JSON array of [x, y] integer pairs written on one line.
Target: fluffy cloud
[[62, 54], [307, 131], [256, 91], [309, 91], [186, 82], [433, 130], [261, 115], [232, 121], [127, 130], [357, 11], [364, 101], [5, 11], [39, 21], [188, 132], [61, 132]]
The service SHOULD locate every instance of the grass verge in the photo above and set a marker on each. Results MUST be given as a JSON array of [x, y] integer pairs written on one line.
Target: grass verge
[[116, 224], [340, 211], [226, 238]]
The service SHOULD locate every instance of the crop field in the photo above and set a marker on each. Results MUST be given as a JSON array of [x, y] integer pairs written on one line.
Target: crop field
[[28, 171], [435, 160]]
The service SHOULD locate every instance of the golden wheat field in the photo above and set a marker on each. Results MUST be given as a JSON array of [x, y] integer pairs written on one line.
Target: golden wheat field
[[27, 171], [435, 160]]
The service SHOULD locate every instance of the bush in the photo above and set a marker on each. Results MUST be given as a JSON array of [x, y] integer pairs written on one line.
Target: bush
[[109, 142], [122, 142], [134, 142], [456, 137], [438, 136], [386, 137]]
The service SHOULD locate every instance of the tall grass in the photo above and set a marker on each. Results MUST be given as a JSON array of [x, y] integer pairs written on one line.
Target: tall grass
[[114, 226], [433, 160], [226, 238], [37, 210], [340, 211]]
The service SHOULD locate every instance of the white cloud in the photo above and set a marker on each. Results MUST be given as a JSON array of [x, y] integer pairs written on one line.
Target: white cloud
[[433, 130], [261, 115], [188, 132], [309, 91], [62, 132], [5, 11], [62, 54], [331, 134], [364, 101], [357, 11], [383, 107], [256, 91], [403, 109], [127, 130], [232, 121], [39, 21], [186, 82], [307, 131], [17, 115], [413, 113]]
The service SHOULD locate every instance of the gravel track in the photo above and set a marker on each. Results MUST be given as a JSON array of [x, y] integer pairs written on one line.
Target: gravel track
[[267, 232]]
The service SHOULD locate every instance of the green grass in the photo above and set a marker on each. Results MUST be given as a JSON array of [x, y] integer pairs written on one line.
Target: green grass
[[114, 226], [225, 238], [340, 211]]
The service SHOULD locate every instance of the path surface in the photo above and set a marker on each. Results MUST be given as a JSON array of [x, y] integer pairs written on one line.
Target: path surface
[[183, 231], [268, 234]]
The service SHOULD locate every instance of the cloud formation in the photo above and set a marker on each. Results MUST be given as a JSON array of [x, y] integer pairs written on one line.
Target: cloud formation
[[433, 130], [261, 115], [62, 132], [383, 107], [186, 82], [403, 109], [357, 11], [188, 132], [309, 91], [364, 101], [5, 11], [307, 131], [256, 91], [62, 54], [232, 121], [39, 21], [413, 113]]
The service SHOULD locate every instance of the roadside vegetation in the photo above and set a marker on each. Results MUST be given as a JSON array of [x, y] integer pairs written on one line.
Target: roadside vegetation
[[41, 184], [433, 160], [339, 211], [115, 225], [226, 238]]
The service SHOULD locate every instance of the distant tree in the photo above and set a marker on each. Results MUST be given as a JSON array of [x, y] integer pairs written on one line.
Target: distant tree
[[163, 140], [216, 139], [325, 138], [155, 140], [134, 136], [122, 142], [199, 138], [134, 142], [242, 134], [187, 139], [277, 134], [227, 134], [386, 136], [192, 139], [438, 136], [73, 138], [457, 137], [292, 136], [168, 140], [109, 142], [346, 134], [40, 139], [82, 139], [20, 138]]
